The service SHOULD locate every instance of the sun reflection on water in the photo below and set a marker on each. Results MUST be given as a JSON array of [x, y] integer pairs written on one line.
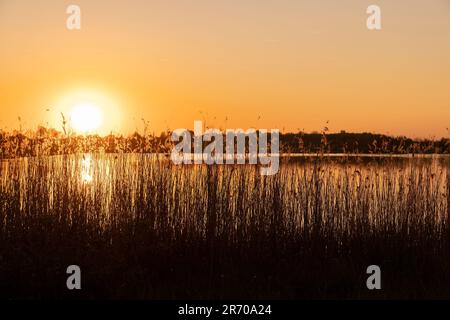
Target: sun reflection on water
[[86, 169]]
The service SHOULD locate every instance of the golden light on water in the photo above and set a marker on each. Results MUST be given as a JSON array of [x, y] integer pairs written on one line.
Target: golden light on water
[[86, 169]]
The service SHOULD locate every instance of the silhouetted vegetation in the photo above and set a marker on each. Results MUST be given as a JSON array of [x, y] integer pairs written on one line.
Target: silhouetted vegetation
[[141, 227], [367, 143], [46, 141]]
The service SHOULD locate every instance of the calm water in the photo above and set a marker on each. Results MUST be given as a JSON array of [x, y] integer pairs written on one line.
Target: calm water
[[342, 187]]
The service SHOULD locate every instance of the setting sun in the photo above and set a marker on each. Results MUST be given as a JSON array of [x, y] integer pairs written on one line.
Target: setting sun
[[88, 109], [260, 151], [86, 117]]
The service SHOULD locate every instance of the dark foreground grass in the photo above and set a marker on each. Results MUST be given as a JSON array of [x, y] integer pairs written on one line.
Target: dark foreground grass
[[141, 228]]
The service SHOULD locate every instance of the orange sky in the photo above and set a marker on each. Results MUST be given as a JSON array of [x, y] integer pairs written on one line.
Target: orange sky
[[295, 64]]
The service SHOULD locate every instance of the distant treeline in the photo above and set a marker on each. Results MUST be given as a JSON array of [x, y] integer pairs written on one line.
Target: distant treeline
[[344, 142], [46, 141]]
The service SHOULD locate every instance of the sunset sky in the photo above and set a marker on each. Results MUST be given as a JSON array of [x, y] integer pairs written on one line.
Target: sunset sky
[[293, 64]]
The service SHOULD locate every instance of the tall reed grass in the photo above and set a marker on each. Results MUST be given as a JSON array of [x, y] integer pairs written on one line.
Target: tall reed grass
[[141, 227]]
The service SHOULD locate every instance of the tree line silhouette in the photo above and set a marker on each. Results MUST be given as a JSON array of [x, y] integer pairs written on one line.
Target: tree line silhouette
[[45, 141]]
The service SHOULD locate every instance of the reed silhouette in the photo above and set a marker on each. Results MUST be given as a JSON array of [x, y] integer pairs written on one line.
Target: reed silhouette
[[141, 227]]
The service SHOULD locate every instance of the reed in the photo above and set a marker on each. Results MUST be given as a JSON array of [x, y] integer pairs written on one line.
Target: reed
[[141, 227]]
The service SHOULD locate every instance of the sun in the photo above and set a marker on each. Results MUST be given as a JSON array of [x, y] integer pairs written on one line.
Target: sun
[[86, 117], [88, 110]]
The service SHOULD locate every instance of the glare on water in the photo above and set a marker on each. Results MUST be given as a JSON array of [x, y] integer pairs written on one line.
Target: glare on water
[[86, 169], [380, 189]]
